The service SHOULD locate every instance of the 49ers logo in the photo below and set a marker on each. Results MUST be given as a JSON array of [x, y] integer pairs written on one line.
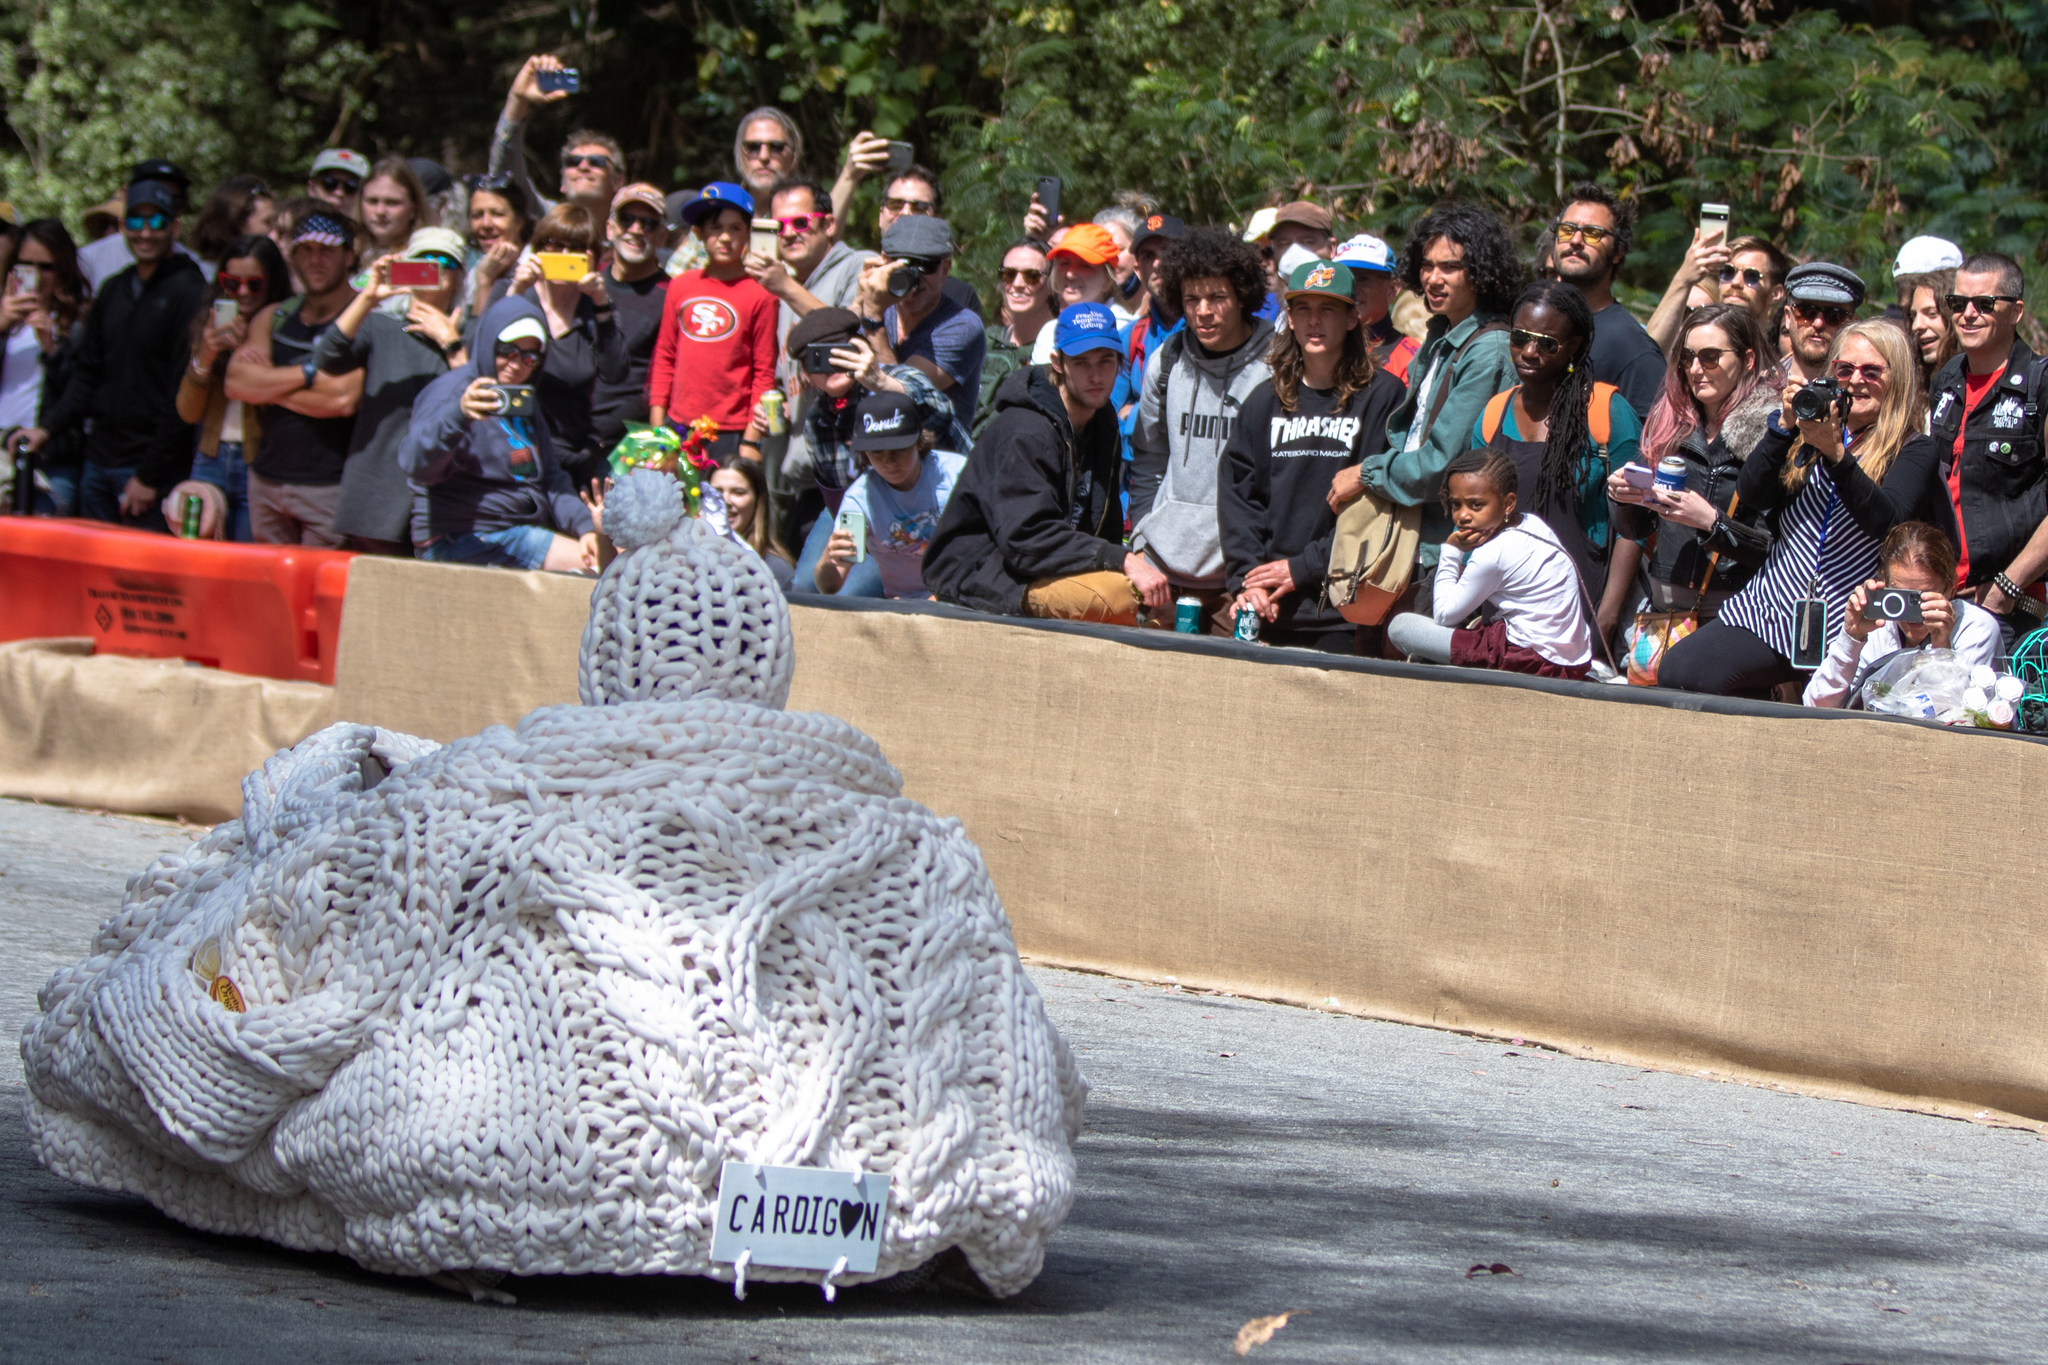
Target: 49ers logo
[[707, 319]]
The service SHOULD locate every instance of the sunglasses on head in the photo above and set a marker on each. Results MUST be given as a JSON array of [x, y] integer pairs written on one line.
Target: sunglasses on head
[[148, 221], [764, 148], [597, 161], [240, 284], [512, 350], [1542, 341], [798, 223], [639, 222], [489, 184], [895, 205], [1834, 314], [1032, 278], [1986, 304], [1707, 357], [337, 182], [1753, 278], [1594, 235], [1872, 374]]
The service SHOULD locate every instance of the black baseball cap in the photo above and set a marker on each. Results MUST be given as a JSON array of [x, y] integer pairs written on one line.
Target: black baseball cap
[[154, 194], [1160, 225], [885, 421], [434, 177], [677, 201], [165, 171]]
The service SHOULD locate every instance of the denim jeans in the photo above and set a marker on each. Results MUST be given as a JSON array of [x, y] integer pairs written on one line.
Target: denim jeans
[[99, 498], [228, 472], [515, 547], [862, 580]]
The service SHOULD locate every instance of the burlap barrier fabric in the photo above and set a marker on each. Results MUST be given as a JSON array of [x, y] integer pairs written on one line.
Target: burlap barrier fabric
[[147, 736], [1788, 899]]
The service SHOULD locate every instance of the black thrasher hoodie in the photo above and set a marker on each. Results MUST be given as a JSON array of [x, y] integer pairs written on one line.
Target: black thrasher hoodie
[[1273, 487], [1034, 501], [137, 339]]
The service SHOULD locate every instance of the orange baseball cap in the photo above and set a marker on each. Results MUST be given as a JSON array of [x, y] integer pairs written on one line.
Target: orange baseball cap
[[1090, 243]]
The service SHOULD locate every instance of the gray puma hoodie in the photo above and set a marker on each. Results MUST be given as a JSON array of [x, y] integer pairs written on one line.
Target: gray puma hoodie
[[1188, 409]]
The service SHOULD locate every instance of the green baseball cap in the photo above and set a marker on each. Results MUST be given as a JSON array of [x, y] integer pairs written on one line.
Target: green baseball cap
[[1320, 277]]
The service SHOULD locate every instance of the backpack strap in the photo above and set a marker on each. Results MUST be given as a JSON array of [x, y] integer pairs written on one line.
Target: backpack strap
[[1496, 413], [1600, 416]]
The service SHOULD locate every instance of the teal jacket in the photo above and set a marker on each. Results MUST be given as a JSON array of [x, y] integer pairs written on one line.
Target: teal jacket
[[1416, 477]]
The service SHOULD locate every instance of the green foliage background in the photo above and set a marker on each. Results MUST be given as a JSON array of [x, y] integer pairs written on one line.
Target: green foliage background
[[1838, 130]]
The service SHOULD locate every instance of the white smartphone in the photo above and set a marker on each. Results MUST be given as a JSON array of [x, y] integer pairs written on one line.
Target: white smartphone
[[225, 311], [1638, 475], [766, 238], [1713, 221], [855, 524], [26, 278]]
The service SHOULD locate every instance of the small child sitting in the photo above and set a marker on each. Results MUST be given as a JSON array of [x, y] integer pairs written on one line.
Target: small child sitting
[[1512, 565], [899, 496]]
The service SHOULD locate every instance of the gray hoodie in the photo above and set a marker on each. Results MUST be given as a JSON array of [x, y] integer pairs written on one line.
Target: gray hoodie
[[1188, 410]]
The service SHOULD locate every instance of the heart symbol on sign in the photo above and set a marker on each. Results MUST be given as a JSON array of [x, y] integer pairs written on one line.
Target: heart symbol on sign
[[850, 1211]]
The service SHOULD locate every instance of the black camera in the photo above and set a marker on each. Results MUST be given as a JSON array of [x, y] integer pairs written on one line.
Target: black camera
[[818, 357], [1893, 604], [1813, 400], [905, 278]]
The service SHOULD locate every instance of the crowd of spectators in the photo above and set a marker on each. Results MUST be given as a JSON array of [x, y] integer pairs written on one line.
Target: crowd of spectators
[[1160, 424]]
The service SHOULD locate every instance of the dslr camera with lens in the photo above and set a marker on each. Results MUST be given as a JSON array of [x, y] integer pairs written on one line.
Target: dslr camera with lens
[[909, 276], [1813, 400]]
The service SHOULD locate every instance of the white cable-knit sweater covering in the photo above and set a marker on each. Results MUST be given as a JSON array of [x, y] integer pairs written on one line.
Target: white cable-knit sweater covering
[[511, 1002]]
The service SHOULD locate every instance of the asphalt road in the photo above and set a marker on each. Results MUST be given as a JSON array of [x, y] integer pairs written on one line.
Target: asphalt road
[[1240, 1159]]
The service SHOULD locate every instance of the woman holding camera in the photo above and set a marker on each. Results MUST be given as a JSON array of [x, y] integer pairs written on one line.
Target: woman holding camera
[[1919, 566], [1840, 464], [486, 486], [1713, 410]]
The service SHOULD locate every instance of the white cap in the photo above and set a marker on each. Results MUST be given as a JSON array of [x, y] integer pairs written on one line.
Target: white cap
[[1366, 252], [1925, 254], [1260, 225], [1294, 258], [521, 328], [341, 159]]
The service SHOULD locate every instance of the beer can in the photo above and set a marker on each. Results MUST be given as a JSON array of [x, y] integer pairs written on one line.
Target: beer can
[[774, 408], [1187, 615], [1247, 625], [1670, 475], [192, 506]]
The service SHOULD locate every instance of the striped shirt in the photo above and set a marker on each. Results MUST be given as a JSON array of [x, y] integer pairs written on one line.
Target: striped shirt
[[1765, 605]]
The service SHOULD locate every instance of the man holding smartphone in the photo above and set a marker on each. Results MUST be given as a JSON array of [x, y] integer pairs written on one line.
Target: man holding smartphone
[[593, 166]]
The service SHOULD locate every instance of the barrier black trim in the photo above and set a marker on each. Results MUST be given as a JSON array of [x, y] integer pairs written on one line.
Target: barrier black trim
[[1269, 655]]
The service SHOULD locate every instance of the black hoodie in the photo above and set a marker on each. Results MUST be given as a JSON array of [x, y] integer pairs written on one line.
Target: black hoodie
[[137, 339], [1273, 486], [1034, 502]]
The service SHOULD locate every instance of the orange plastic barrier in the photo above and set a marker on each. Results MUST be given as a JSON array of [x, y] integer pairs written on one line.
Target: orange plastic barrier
[[273, 611]]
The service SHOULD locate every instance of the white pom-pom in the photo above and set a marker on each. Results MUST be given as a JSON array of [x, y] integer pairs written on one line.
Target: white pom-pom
[[642, 508]]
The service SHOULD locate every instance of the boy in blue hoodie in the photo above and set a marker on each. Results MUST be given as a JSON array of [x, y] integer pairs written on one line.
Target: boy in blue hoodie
[[487, 488]]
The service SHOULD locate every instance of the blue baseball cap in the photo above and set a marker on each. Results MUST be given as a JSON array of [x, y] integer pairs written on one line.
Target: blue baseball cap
[[1086, 327], [719, 194]]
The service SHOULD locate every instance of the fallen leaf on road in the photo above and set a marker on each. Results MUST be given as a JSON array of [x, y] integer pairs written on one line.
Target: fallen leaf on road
[[1553, 1184], [1497, 1268], [1516, 1041], [1226, 1054], [1259, 1331], [1889, 1309]]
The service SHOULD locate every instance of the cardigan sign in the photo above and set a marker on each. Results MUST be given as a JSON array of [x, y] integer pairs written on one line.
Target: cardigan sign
[[799, 1216]]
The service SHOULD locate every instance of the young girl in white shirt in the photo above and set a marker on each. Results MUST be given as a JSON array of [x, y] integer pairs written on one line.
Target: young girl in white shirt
[[1509, 564]]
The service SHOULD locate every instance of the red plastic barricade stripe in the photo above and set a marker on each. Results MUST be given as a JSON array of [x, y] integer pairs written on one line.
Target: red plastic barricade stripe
[[269, 610]]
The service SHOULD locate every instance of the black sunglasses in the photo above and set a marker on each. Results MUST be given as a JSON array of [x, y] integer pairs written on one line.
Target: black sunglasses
[[1832, 313], [757, 148], [597, 161], [335, 182], [1542, 341], [1708, 356], [1753, 278], [1983, 303], [507, 350]]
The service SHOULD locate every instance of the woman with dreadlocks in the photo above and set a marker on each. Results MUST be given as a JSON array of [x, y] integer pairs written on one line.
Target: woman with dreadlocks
[[1565, 435]]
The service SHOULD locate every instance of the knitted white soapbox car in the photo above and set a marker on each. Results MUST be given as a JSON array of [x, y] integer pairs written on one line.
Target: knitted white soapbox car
[[509, 1004]]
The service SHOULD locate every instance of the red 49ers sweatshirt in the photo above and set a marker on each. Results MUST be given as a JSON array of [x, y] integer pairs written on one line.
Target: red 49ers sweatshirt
[[714, 354]]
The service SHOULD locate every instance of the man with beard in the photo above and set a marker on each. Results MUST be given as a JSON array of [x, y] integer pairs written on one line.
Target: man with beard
[[1594, 233]]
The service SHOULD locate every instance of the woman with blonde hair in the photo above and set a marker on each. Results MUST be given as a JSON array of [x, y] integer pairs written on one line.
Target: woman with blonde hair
[[394, 207], [1830, 487]]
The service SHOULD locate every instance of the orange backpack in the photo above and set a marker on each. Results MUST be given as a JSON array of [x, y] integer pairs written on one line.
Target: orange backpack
[[1598, 410]]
